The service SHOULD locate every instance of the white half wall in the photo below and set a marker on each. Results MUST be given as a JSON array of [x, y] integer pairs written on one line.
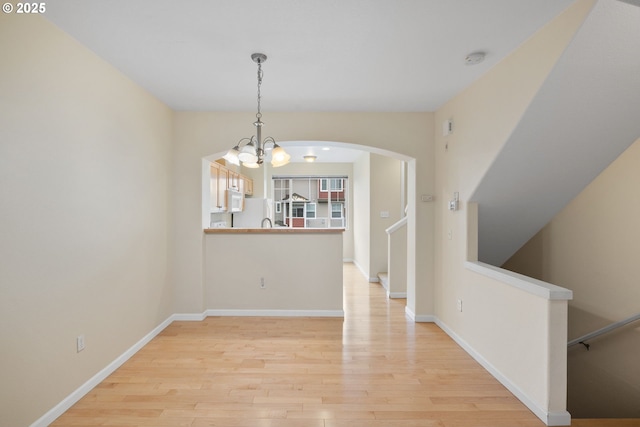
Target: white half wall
[[273, 271]]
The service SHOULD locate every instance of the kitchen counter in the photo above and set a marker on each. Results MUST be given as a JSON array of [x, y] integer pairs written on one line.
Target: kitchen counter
[[275, 230]]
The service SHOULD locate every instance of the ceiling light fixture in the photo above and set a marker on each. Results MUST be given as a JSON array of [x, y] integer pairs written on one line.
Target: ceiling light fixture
[[251, 151], [310, 158]]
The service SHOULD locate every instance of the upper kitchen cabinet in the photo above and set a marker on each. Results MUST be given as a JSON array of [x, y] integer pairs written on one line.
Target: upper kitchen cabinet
[[247, 185], [223, 179], [218, 187], [234, 180]]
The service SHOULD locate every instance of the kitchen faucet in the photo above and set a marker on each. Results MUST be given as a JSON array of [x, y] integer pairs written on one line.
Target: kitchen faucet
[[266, 219]]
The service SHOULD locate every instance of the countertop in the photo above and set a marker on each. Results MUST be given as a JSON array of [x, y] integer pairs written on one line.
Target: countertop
[[276, 230]]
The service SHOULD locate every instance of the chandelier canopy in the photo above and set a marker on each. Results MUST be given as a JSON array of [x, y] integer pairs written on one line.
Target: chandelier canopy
[[252, 151]]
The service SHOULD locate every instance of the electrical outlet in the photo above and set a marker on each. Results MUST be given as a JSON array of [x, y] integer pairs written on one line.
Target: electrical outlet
[[459, 305], [262, 284], [80, 343]]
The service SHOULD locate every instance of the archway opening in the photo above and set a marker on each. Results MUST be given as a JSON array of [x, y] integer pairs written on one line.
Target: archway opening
[[341, 152]]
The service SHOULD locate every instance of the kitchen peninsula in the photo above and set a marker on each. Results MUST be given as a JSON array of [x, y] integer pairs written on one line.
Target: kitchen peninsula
[[273, 272]]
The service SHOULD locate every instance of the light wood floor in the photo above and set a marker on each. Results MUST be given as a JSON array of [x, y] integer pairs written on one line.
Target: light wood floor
[[374, 369]]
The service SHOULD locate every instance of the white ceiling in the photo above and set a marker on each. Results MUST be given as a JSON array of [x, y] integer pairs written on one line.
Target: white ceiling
[[325, 152], [330, 55]]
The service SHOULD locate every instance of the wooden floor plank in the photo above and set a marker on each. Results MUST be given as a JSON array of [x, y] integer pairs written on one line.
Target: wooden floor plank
[[376, 368]]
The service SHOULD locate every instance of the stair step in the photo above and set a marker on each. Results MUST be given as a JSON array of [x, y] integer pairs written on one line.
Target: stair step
[[384, 279]]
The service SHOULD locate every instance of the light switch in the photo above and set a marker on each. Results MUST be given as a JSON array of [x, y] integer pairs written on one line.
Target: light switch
[[384, 214]]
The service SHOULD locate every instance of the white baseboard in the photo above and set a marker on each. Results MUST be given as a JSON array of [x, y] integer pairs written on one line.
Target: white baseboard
[[419, 318], [396, 294], [364, 273], [189, 317], [559, 418], [276, 313], [409, 313], [85, 388]]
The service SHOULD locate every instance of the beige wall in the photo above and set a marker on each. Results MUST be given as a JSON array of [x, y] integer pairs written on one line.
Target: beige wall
[[85, 171], [494, 317], [592, 247], [386, 191]]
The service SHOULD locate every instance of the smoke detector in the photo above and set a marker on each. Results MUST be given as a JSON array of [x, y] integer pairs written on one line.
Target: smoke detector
[[474, 58]]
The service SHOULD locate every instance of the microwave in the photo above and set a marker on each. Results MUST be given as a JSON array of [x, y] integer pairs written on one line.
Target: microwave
[[235, 201]]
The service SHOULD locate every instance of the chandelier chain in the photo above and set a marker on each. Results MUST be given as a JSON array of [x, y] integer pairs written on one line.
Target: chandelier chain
[[259, 113]]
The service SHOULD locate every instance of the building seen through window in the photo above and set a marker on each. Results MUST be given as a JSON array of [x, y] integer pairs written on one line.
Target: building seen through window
[[310, 201]]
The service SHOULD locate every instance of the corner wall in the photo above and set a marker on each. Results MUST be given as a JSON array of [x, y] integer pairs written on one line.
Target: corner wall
[[362, 213], [85, 171]]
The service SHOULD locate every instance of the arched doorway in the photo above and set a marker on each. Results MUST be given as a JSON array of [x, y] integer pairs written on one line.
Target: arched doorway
[[263, 177]]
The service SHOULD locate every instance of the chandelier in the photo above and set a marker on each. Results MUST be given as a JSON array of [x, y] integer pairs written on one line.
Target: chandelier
[[252, 151]]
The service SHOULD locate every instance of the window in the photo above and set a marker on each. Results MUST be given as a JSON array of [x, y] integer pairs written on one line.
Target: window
[[336, 184], [311, 210], [336, 210]]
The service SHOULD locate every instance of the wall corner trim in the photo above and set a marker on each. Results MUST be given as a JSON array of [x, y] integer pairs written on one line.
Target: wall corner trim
[[419, 318], [393, 295], [189, 317], [557, 418]]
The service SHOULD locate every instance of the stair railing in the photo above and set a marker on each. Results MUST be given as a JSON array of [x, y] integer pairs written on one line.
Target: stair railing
[[602, 331], [397, 259]]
